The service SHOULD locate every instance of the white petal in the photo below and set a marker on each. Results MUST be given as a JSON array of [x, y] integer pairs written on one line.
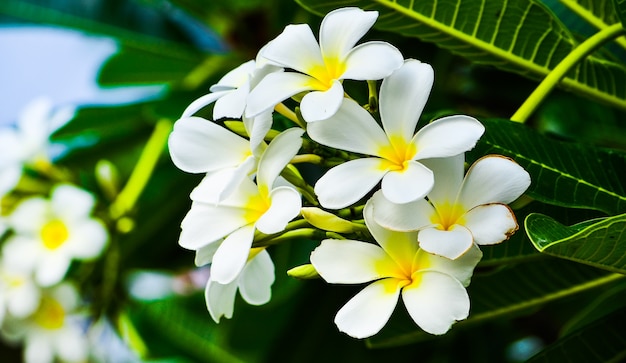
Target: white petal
[[341, 29], [346, 183], [236, 77], [255, 283], [403, 96], [87, 239], [436, 302], [197, 145], [493, 179], [29, 216], [367, 312], [220, 184], [448, 136], [71, 202], [274, 89], [402, 217], [257, 128], [452, 243], [412, 183], [448, 174], [202, 102], [294, 48], [38, 349], [320, 105], [232, 104], [372, 61], [351, 128], [51, 269], [206, 223], [461, 269], [350, 262], [231, 256], [491, 223], [204, 255], [9, 177], [277, 155], [71, 344], [24, 300], [220, 299], [285, 206], [400, 246]]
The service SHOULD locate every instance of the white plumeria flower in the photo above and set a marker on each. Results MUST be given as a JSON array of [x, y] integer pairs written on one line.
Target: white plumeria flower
[[229, 226], [49, 234], [254, 284], [395, 147], [19, 294], [321, 67], [54, 330], [28, 142], [461, 212], [432, 287], [231, 91], [197, 145]]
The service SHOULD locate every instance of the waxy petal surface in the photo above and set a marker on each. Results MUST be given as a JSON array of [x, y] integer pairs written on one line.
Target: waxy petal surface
[[410, 184], [402, 217], [255, 282], [451, 244], [230, 258], [448, 136], [320, 105], [285, 206], [491, 223], [274, 89], [220, 299], [295, 48], [436, 302], [341, 29], [369, 310], [372, 61]]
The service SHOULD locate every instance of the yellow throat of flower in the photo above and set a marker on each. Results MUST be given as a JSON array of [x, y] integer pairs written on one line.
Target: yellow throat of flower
[[54, 234], [50, 314], [324, 75], [398, 152], [447, 215]]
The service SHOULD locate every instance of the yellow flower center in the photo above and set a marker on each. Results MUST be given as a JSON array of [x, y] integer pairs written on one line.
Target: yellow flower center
[[54, 234], [448, 215], [50, 314], [324, 75], [398, 152]]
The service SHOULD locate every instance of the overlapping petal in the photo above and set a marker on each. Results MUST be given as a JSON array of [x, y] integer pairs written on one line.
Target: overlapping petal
[[403, 96], [369, 310], [256, 279], [491, 223], [350, 262], [493, 179], [205, 223], [285, 205], [451, 243], [198, 146], [436, 301], [346, 183], [295, 48], [412, 183], [278, 154], [461, 268], [447, 136], [320, 105], [230, 258], [351, 128], [401, 217], [341, 29], [372, 61], [220, 299], [275, 88], [449, 173]]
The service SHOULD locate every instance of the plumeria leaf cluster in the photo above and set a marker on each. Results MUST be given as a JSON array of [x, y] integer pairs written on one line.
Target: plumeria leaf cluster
[[366, 180]]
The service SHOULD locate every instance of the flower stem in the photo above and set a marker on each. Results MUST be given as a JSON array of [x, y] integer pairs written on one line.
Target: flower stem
[[307, 158], [288, 113], [148, 159], [553, 78]]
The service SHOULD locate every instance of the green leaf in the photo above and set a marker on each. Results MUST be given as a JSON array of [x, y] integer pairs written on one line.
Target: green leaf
[[508, 292], [516, 35], [620, 9], [600, 341], [607, 302], [600, 244], [562, 173]]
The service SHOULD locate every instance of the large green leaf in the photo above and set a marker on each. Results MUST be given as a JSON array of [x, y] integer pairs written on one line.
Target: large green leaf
[[601, 341], [597, 243], [508, 292], [620, 9], [517, 35], [562, 173]]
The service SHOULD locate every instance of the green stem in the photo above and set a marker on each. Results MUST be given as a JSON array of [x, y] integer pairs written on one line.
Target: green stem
[[148, 159], [555, 76], [288, 113], [590, 18]]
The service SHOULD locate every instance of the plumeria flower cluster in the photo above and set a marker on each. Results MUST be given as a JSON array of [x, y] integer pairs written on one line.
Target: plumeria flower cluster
[[39, 305], [416, 219]]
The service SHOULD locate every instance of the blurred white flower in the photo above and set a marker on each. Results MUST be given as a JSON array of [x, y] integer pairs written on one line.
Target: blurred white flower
[[49, 233], [322, 67], [19, 294], [54, 331], [28, 141]]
